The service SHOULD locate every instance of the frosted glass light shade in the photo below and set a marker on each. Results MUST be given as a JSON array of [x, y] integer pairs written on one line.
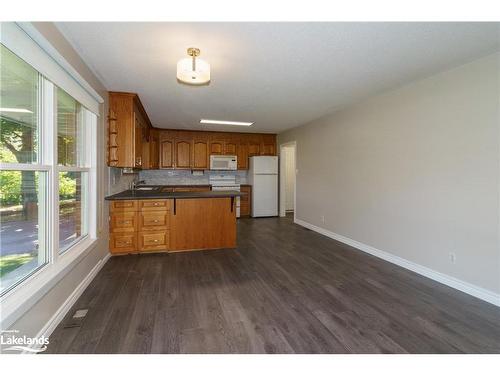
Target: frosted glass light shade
[[199, 76]]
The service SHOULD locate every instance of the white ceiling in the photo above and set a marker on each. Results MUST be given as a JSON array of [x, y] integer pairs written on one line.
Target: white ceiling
[[279, 75]]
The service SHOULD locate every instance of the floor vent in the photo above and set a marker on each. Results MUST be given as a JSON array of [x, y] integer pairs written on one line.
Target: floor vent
[[77, 318]]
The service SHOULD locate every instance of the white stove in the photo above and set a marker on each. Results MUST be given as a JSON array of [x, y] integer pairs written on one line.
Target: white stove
[[222, 182]]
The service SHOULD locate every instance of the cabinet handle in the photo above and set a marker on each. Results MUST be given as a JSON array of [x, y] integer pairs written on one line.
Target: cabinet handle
[[155, 221], [155, 241], [124, 222], [175, 206], [156, 203]]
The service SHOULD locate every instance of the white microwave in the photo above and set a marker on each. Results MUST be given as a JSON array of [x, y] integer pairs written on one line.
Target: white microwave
[[223, 162]]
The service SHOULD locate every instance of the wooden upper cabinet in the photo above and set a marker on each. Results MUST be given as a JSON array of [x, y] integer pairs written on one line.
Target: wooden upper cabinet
[[134, 143], [182, 153], [216, 147], [230, 147], [200, 154], [112, 139], [154, 147], [184, 149], [268, 145], [128, 129], [167, 154], [242, 155], [253, 148]]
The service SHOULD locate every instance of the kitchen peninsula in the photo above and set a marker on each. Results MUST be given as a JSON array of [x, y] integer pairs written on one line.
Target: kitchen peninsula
[[158, 219]]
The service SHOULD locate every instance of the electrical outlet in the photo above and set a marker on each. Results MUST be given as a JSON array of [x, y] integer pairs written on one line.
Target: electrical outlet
[[453, 257], [323, 219]]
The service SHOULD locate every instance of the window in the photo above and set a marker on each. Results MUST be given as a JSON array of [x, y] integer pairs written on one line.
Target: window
[[73, 166], [23, 188], [45, 171]]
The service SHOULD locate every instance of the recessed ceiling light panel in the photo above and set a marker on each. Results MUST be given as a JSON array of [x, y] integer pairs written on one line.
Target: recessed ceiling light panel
[[221, 122]]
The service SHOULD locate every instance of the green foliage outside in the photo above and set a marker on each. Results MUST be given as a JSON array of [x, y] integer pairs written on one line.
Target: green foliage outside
[[9, 263], [11, 181]]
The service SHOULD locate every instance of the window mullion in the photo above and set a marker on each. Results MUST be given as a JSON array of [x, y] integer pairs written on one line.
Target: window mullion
[[50, 158]]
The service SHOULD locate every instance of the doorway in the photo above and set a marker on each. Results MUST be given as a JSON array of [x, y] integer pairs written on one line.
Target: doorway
[[288, 154]]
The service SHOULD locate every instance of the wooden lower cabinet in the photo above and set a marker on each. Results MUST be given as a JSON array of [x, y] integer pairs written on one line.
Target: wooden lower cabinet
[[203, 224], [122, 243], [154, 241], [154, 221], [245, 200], [139, 225], [172, 224]]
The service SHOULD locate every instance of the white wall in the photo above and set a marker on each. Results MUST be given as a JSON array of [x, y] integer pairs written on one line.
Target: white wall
[[32, 322], [289, 156], [413, 172]]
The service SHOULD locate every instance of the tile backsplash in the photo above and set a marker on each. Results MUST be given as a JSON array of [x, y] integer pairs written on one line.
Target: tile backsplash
[[185, 177], [119, 181]]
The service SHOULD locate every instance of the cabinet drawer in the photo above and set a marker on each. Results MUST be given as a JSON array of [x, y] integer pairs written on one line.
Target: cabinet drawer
[[123, 222], [123, 206], [153, 220], [122, 242], [149, 241], [154, 205]]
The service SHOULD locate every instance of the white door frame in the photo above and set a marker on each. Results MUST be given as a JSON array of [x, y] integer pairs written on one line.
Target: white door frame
[[283, 179]]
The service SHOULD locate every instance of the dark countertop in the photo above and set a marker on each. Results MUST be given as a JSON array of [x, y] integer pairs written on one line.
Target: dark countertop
[[180, 185], [156, 194]]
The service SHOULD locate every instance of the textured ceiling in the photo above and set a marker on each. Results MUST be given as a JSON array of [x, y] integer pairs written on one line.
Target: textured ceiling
[[279, 75]]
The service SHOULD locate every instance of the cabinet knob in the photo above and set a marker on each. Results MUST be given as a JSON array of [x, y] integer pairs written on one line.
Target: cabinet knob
[[155, 221], [156, 203], [155, 241]]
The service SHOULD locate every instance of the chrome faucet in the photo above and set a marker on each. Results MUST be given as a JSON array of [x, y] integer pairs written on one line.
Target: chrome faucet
[[134, 184]]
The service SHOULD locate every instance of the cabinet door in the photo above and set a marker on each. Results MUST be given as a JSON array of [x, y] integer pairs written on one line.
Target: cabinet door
[[146, 155], [242, 155], [183, 153], [154, 158], [200, 154], [245, 200], [253, 148], [230, 148], [167, 154], [216, 147], [138, 141], [268, 145]]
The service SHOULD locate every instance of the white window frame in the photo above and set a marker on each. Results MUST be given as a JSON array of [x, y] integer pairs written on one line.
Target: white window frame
[[24, 294]]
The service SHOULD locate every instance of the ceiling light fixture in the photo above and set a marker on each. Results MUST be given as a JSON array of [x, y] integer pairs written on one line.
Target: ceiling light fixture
[[192, 70], [15, 110], [219, 122]]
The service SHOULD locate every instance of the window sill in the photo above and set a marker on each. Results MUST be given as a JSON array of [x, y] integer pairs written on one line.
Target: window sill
[[20, 299]]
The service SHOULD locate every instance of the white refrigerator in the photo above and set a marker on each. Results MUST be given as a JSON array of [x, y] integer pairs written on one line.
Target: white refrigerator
[[263, 176]]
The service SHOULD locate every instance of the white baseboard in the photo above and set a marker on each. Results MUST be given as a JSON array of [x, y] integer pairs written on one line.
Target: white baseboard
[[61, 312], [473, 290]]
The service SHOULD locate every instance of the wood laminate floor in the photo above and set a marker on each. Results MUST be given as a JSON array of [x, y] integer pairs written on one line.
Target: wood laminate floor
[[284, 290]]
